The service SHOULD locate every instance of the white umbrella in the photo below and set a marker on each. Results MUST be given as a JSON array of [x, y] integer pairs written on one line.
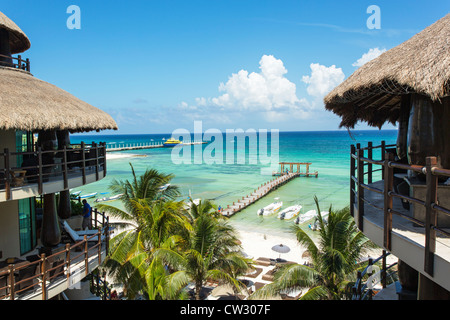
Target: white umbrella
[[281, 248]]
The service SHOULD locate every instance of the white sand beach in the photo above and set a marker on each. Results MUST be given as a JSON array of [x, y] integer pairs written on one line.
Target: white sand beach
[[117, 155], [257, 245]]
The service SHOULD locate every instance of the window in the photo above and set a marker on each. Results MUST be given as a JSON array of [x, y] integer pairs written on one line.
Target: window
[[27, 226]]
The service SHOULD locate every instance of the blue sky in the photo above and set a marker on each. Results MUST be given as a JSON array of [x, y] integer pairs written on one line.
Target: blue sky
[[157, 66]]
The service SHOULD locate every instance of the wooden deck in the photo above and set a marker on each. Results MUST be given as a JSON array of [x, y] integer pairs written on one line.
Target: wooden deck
[[262, 191], [143, 145]]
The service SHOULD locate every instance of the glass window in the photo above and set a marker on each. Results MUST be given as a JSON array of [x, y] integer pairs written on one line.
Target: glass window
[[27, 227]]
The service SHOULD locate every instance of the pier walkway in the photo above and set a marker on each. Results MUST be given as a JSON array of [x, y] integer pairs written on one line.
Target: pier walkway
[[143, 145], [282, 177], [262, 191]]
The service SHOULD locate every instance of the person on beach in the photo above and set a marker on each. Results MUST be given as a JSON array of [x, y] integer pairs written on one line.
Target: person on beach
[[87, 210]]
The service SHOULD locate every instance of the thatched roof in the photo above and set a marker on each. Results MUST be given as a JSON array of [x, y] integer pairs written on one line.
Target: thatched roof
[[373, 92], [18, 41], [27, 103]]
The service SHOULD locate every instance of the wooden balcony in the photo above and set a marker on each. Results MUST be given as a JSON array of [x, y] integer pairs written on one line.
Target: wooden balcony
[[15, 62], [41, 276], [389, 216], [42, 172]]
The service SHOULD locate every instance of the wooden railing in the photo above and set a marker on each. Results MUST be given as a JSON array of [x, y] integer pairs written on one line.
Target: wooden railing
[[56, 266], [40, 166], [17, 62], [358, 185], [366, 291]]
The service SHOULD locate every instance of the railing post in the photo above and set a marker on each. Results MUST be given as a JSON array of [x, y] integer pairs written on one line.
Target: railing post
[[11, 282], [352, 182], [358, 289], [83, 164], [383, 271], [360, 191], [86, 255], [430, 215], [369, 165], [68, 263], [95, 148], [383, 151], [40, 177], [19, 61], [28, 65], [66, 184], [7, 174], [388, 187], [44, 277]]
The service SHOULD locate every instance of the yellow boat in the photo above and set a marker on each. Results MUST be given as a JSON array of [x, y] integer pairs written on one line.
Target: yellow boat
[[171, 143]]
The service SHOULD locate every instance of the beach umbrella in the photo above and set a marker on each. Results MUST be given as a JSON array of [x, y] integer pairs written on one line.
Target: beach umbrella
[[281, 248]]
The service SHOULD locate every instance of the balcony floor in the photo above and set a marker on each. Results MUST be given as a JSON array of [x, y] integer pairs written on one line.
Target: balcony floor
[[408, 240]]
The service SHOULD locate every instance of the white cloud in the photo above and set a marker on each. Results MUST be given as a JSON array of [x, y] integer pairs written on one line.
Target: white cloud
[[366, 57], [267, 91], [323, 79]]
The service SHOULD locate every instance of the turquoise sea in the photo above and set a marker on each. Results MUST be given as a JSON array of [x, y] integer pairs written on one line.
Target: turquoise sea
[[224, 183]]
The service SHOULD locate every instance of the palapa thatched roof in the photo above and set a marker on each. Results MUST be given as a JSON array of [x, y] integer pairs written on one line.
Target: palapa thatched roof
[[27, 103], [18, 41], [373, 92]]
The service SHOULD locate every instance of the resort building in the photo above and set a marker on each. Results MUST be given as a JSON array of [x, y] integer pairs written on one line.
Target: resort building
[[41, 251], [400, 194]]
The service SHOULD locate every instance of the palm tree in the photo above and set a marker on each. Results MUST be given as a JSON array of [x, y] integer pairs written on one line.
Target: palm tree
[[210, 251], [334, 260], [150, 216]]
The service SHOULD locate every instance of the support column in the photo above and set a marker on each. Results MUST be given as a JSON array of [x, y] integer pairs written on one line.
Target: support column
[[430, 290], [409, 280], [50, 231], [64, 207]]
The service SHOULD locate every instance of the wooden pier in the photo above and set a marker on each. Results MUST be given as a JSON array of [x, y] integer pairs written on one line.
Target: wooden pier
[[262, 191], [282, 178], [292, 165], [143, 145]]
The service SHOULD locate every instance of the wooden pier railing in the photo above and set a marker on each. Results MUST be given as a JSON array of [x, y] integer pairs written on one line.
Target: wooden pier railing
[[16, 62], [258, 193]]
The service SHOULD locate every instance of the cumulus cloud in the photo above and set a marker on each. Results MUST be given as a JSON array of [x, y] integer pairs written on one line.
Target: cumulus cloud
[[322, 79], [366, 57], [266, 90]]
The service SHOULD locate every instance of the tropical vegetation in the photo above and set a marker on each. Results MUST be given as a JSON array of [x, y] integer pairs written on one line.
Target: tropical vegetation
[[166, 244], [335, 260]]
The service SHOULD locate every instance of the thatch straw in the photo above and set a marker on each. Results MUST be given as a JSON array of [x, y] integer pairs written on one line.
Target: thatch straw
[[373, 92], [27, 103], [18, 41]]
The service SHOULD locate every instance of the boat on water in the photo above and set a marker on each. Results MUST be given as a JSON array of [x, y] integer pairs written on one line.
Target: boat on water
[[76, 193], [164, 187], [171, 143], [270, 209], [189, 202], [290, 212], [87, 196], [315, 225], [302, 218], [112, 198]]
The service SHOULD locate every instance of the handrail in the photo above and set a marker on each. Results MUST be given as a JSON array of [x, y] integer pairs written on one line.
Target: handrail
[[359, 290], [52, 267], [40, 165], [358, 184], [21, 64]]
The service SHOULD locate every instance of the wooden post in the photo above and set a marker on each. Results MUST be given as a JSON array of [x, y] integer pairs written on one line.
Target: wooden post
[[383, 151], [86, 255], [83, 164], [68, 263], [43, 277], [95, 147], [430, 215], [352, 182], [66, 184], [11, 282], [360, 192], [369, 165], [7, 174], [40, 177], [383, 271], [388, 187]]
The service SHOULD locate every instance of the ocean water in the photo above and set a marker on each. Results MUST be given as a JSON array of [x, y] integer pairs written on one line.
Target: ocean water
[[227, 181]]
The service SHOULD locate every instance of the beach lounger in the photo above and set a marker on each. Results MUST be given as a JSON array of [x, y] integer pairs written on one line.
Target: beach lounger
[[79, 235]]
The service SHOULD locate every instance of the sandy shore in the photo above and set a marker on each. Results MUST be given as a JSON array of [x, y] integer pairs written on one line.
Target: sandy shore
[[117, 155], [257, 245]]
